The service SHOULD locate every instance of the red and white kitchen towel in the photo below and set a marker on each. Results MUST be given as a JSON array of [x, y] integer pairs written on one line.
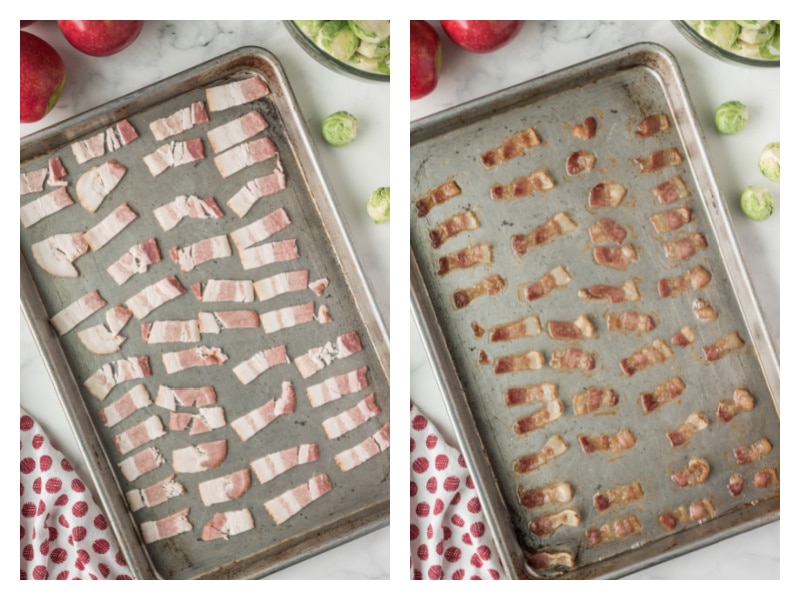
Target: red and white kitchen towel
[[449, 537], [63, 534]]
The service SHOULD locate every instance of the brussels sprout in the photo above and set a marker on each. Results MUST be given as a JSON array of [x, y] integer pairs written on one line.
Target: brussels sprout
[[757, 202], [720, 33], [374, 50], [769, 161], [757, 36], [370, 31], [731, 117], [378, 205], [337, 39], [754, 24], [771, 49], [339, 128], [310, 28]]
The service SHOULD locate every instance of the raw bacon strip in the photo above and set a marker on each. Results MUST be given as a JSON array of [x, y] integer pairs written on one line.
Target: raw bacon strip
[[214, 322], [743, 401], [244, 155], [451, 227], [174, 154], [260, 230], [685, 247], [363, 451], [89, 148], [201, 252], [703, 310], [44, 206], [140, 463], [224, 290], [558, 225], [753, 452], [627, 292], [162, 332], [56, 172], [102, 339], [208, 418], [243, 200], [670, 520], [670, 220], [692, 474], [225, 488], [602, 442], [193, 207], [531, 394], [548, 524], [258, 364], [551, 561], [615, 257], [594, 399], [270, 466], [436, 196], [154, 295], [539, 419], [723, 346], [138, 397], [142, 433], [630, 321], [607, 230], [228, 95], [337, 386], [251, 423], [488, 286], [511, 148], [617, 495], [113, 138], [573, 358], [580, 161], [171, 398], [557, 277], [76, 312], [155, 494], [586, 130], [225, 524], [735, 484], [267, 254], [671, 190], [181, 120], [98, 182], [527, 361], [684, 337], [233, 132], [702, 510], [282, 283], [663, 393], [32, 181], [479, 254], [99, 235], [169, 526], [578, 329], [765, 478], [514, 330], [655, 161], [616, 530], [646, 357], [318, 286], [652, 125], [290, 503], [55, 254], [693, 279], [289, 316], [318, 358], [136, 260], [120, 134], [194, 459], [680, 437], [607, 194], [351, 418], [534, 498], [553, 448], [102, 381], [538, 181], [200, 356]]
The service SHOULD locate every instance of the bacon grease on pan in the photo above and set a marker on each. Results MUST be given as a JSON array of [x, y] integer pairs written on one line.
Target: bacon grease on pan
[[580, 161], [549, 494], [607, 193], [743, 401], [593, 399], [488, 286], [538, 181], [651, 125], [586, 130], [437, 196], [695, 473], [723, 346], [44, 206], [558, 277], [471, 256], [646, 357], [290, 503], [694, 423], [511, 148], [615, 530], [554, 447], [560, 224], [166, 527], [452, 226], [621, 494], [663, 393], [531, 394], [658, 160]]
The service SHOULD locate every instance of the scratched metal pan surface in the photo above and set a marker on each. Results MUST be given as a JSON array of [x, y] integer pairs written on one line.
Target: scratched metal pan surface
[[358, 501], [619, 91]]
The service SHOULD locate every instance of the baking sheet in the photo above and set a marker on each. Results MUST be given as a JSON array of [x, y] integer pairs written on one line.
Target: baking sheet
[[618, 90], [358, 501]]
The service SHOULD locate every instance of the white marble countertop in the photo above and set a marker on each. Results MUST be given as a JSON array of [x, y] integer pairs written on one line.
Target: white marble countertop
[[546, 46], [168, 47]]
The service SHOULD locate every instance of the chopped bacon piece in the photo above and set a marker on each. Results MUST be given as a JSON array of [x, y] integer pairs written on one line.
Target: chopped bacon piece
[[602, 442], [702, 510], [578, 329], [514, 330], [488, 286], [136, 260], [671, 190], [170, 214], [200, 252], [607, 194], [655, 161], [573, 358], [174, 154], [670, 220], [337, 386], [436, 196], [102, 339], [224, 488], [364, 450], [261, 229], [684, 337], [558, 225], [235, 93], [743, 401], [663, 393], [553, 448], [670, 520], [616, 530], [243, 200], [202, 457], [102, 381], [555, 278], [723, 346], [680, 437], [534, 498], [138, 397], [452, 226], [630, 321], [32, 181], [208, 418], [320, 357], [540, 418], [224, 290], [169, 526], [181, 120], [735, 484], [104, 231], [478, 254], [290, 503], [593, 399], [140, 463], [56, 172], [289, 316], [258, 364], [89, 148], [586, 130], [511, 148], [580, 161], [214, 322], [147, 300], [282, 283], [154, 494], [627, 292], [695, 473], [199, 356], [531, 394], [703, 310], [526, 361], [538, 181], [228, 523], [233, 132], [267, 254], [113, 138], [607, 230], [76, 312], [685, 247], [171, 398], [615, 257], [549, 561], [351, 418], [318, 286], [142, 433], [617, 495], [257, 419], [548, 524], [752, 452], [44, 206], [645, 357], [694, 279], [765, 478], [161, 332], [245, 155], [652, 125], [55, 254], [270, 466]]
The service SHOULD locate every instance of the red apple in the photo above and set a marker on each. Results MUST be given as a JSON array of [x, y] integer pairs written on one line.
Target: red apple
[[101, 38], [41, 77], [482, 36], [426, 59]]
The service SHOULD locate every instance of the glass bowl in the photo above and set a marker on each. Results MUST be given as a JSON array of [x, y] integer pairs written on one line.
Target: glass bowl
[[721, 53], [329, 61]]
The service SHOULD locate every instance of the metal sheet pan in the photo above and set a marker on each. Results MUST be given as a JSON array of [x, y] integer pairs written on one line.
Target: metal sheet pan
[[619, 90], [358, 502]]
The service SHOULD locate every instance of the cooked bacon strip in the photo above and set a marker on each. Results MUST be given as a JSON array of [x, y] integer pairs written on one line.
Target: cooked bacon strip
[[655, 161], [554, 447], [607, 194], [573, 358], [244, 155], [318, 358], [531, 394], [663, 393], [627, 292], [199, 356], [224, 488], [233, 132], [171, 398], [257, 419], [578, 329], [703, 310], [514, 330], [174, 154], [670, 520], [290, 316], [630, 321], [169, 526], [55, 254], [736, 484], [694, 279], [550, 561], [44, 206], [102, 381], [617, 495], [224, 290], [170, 214], [270, 466], [452, 226], [586, 130], [558, 225], [548, 524], [142, 433], [76, 312], [181, 120], [593, 399], [652, 125], [478, 254], [685, 247], [235, 93], [202, 457], [670, 220], [436, 196], [511, 148], [363, 451], [154, 494], [138, 397], [765, 478], [104, 231], [702, 510], [214, 322], [550, 494], [538, 181], [615, 257], [147, 300], [671, 190], [680, 437], [351, 418], [743, 401], [32, 181], [258, 364], [616, 530], [580, 161], [267, 254], [557, 277], [646, 357], [695, 473], [752, 452], [225, 524], [540, 418], [337, 386], [290, 503], [162, 332], [201, 252], [684, 337], [136, 260], [489, 286], [208, 418], [602, 442], [243, 200], [723, 346], [282, 283], [140, 463], [526, 361], [607, 230], [260, 230], [102, 339]]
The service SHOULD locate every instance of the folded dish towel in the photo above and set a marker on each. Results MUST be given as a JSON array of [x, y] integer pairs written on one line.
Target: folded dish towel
[[63, 534], [449, 537]]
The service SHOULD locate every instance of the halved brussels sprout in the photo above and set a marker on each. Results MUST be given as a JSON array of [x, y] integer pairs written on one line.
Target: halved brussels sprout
[[378, 205], [769, 161]]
